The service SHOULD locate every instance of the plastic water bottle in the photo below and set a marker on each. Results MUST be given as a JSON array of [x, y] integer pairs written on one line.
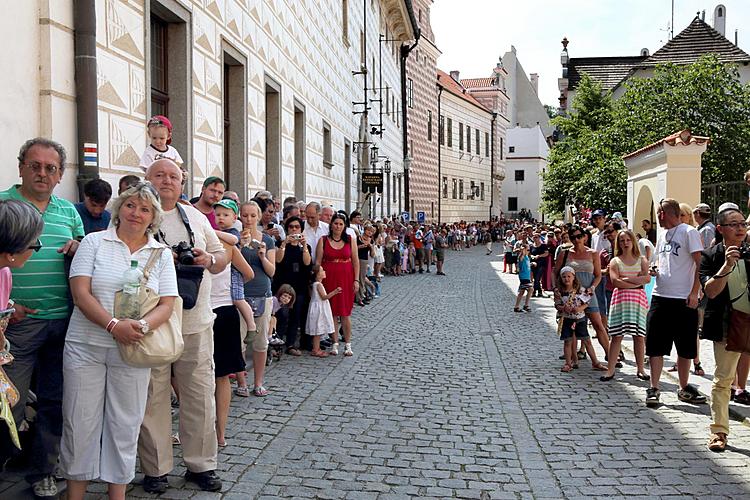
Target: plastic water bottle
[[131, 307]]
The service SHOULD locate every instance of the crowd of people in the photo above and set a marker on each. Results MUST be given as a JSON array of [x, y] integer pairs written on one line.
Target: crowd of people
[[688, 284], [252, 279], [264, 276]]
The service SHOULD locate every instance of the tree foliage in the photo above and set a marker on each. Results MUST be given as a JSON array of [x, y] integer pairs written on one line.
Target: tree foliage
[[705, 97]]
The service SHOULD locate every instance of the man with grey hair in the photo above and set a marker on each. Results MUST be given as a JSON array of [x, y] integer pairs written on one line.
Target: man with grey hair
[[326, 213], [42, 304], [193, 372], [314, 227]]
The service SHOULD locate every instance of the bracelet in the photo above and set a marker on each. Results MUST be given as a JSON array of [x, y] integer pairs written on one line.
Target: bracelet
[[722, 275], [111, 325], [356, 281]]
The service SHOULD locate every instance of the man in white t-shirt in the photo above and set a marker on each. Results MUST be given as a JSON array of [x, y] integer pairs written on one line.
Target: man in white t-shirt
[[673, 316]]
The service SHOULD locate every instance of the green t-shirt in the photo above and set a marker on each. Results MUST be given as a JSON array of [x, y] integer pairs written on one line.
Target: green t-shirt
[[42, 283]]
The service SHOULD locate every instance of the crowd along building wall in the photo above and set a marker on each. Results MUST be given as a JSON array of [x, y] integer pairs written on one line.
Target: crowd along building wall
[[260, 92]]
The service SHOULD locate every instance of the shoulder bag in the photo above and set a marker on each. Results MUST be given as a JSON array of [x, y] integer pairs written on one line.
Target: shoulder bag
[[189, 277], [162, 345], [738, 331]]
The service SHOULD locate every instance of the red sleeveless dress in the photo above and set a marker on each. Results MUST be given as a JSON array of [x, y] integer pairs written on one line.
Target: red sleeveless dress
[[339, 273]]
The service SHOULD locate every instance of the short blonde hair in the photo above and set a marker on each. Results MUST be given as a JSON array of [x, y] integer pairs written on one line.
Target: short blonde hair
[[144, 191]]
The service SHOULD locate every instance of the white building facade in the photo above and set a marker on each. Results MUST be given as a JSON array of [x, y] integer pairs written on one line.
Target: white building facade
[[260, 92], [527, 158]]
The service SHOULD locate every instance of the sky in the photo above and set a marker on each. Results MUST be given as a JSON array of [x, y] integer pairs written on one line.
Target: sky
[[474, 34]]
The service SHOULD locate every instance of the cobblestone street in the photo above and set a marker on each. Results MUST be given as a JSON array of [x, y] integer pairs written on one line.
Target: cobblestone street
[[451, 394]]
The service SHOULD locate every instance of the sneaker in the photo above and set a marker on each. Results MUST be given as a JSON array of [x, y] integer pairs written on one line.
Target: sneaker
[[207, 481], [691, 395], [275, 340], [45, 487], [652, 397], [155, 484], [742, 397]]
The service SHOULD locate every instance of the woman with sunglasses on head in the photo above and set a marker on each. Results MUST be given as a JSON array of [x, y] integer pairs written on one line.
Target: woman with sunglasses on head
[[104, 397], [587, 265]]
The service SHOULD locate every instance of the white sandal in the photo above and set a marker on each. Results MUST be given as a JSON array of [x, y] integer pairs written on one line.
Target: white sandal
[[348, 349], [334, 349]]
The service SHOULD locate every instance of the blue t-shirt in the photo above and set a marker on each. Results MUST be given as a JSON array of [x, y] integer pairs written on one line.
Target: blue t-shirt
[[524, 268], [92, 224], [260, 285]]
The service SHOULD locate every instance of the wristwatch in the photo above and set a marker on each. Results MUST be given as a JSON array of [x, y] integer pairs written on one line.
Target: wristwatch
[[145, 328]]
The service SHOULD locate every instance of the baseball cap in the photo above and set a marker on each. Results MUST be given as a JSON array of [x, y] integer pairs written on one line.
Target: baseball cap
[[212, 180], [702, 208], [229, 204], [162, 121], [599, 213], [617, 216], [728, 206]]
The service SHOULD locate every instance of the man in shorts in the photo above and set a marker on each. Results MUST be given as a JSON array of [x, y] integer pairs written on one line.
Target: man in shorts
[[673, 317]]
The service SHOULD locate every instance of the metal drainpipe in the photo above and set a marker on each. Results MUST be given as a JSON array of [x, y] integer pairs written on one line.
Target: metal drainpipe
[[492, 165], [440, 165], [404, 54], [84, 22]]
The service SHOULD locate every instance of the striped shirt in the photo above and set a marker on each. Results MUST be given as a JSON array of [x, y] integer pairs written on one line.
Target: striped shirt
[[104, 258], [42, 283]]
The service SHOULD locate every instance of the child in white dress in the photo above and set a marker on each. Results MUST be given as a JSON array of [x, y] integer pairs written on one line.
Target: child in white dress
[[319, 315]]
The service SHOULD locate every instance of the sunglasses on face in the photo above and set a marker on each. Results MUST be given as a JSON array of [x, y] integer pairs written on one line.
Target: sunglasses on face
[[36, 246], [295, 226]]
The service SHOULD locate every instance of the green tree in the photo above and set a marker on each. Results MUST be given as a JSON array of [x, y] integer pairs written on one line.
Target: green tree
[[705, 97]]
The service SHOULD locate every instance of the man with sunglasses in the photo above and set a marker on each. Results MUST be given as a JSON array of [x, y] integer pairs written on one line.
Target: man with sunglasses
[[43, 305], [673, 316]]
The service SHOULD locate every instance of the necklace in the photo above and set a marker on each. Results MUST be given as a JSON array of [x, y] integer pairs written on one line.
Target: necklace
[[336, 240]]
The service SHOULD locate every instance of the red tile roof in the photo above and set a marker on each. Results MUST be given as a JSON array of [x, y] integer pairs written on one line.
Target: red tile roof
[[455, 88], [683, 138], [471, 83]]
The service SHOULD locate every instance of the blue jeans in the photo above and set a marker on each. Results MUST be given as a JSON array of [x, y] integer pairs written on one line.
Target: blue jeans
[[37, 345]]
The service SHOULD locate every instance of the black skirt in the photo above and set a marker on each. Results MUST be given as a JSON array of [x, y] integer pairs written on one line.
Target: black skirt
[[227, 342]]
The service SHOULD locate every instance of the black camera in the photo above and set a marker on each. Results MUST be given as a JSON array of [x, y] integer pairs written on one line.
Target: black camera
[[745, 251], [184, 253]]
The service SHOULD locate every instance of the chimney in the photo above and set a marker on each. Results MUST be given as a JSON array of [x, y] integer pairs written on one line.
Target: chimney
[[534, 78], [720, 19], [703, 15], [735, 38], [454, 75]]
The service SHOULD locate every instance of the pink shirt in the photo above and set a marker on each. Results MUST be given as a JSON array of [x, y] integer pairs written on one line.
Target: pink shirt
[[6, 283]]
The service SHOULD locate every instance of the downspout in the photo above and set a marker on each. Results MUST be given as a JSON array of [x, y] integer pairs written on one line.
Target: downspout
[[439, 146], [84, 23], [492, 164], [405, 50]]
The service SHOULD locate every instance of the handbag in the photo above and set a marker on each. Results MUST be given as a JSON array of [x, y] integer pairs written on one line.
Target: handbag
[[738, 331], [189, 277], [162, 345]]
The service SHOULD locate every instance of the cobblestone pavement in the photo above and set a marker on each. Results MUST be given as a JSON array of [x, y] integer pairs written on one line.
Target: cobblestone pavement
[[451, 394]]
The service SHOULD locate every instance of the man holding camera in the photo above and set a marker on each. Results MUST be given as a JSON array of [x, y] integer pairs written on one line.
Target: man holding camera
[[187, 229]]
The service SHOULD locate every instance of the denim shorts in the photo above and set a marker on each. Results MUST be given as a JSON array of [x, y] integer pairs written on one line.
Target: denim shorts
[[579, 327]]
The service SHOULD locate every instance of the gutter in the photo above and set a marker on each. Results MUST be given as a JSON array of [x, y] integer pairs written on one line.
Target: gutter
[[439, 155], [87, 124]]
